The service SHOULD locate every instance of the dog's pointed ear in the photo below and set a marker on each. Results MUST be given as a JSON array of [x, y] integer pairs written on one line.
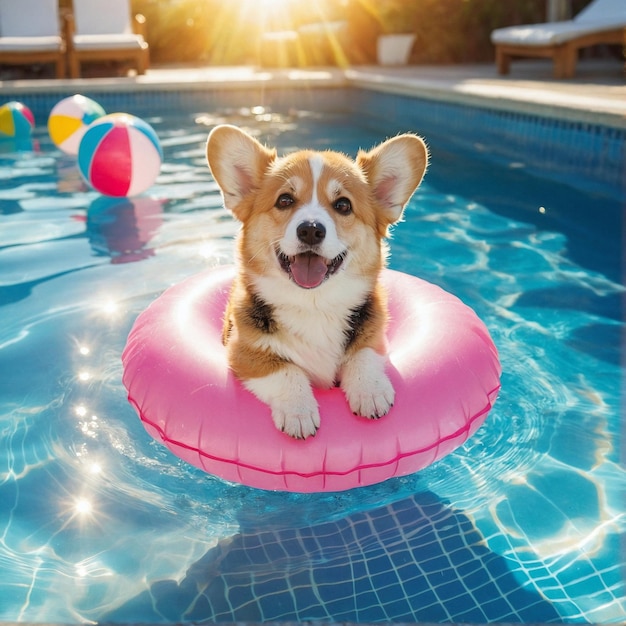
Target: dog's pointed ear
[[237, 162], [394, 170]]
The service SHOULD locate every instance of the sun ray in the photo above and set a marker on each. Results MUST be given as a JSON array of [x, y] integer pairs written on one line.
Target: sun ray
[[242, 26]]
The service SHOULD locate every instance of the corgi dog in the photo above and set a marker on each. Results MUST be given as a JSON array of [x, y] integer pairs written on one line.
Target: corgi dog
[[306, 308]]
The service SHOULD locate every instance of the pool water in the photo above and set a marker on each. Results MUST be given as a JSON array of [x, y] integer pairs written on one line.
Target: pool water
[[98, 522]]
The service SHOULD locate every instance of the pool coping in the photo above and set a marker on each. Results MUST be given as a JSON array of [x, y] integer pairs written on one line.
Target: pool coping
[[518, 97], [594, 99]]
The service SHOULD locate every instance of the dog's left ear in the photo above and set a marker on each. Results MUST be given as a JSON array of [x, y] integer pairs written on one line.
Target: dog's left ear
[[238, 163], [394, 170]]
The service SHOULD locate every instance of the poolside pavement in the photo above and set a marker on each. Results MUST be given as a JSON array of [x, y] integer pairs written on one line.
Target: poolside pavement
[[597, 94]]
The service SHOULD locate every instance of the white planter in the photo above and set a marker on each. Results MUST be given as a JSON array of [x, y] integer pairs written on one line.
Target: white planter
[[394, 49]]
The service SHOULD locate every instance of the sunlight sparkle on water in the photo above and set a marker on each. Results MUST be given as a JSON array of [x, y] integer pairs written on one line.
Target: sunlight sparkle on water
[[207, 250], [110, 307], [83, 506]]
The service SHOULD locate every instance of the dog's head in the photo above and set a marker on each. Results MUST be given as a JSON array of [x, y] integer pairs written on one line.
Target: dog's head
[[309, 216]]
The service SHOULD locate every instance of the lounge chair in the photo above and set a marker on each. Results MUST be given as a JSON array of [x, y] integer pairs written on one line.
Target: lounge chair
[[30, 33], [601, 22], [102, 30]]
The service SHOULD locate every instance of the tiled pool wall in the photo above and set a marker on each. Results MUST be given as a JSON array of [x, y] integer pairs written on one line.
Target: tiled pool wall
[[579, 153], [582, 154]]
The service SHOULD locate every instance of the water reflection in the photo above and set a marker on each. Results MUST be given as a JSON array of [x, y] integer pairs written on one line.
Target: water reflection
[[15, 145], [122, 228], [68, 175]]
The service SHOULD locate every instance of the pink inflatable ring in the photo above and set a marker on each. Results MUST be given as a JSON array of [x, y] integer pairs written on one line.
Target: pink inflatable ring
[[442, 363]]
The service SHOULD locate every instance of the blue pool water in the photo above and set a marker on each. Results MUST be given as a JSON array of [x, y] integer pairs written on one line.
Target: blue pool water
[[524, 523]]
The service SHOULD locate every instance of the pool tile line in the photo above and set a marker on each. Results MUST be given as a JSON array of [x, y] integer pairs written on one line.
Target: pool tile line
[[600, 99], [535, 100], [288, 623], [560, 149]]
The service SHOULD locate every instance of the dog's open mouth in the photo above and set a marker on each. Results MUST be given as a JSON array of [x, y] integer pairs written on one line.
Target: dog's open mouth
[[309, 270]]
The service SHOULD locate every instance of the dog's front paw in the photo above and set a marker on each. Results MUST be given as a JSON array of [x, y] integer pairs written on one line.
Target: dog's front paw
[[368, 390], [298, 423], [290, 398], [372, 400]]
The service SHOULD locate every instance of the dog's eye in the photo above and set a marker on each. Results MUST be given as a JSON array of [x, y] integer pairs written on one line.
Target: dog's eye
[[284, 201], [343, 206]]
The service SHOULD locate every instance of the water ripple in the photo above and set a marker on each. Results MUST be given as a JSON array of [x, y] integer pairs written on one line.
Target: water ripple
[[94, 510]]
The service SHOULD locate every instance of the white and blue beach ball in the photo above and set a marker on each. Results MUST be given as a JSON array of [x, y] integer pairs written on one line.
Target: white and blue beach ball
[[69, 120]]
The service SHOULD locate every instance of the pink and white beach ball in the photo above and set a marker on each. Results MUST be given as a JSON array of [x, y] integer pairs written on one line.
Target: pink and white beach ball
[[69, 120], [120, 155]]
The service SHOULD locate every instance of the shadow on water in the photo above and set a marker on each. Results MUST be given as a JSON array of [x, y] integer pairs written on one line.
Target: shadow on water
[[415, 560]]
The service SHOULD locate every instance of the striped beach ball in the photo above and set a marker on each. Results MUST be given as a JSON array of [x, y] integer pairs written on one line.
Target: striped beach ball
[[69, 120], [120, 155], [16, 121]]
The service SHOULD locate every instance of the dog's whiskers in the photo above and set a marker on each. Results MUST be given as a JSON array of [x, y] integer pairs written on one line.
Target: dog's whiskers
[[262, 249]]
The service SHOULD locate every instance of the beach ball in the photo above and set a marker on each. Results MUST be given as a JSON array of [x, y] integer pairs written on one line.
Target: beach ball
[[120, 155], [69, 120], [16, 121]]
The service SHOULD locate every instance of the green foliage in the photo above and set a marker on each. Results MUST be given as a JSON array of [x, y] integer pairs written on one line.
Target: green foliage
[[448, 31], [228, 32], [458, 31], [396, 16], [223, 32], [182, 31], [453, 31]]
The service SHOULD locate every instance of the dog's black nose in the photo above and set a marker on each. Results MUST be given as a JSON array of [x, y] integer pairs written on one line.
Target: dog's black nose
[[311, 232]]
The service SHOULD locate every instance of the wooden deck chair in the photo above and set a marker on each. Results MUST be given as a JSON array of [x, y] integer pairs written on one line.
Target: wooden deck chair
[[102, 30], [602, 21], [30, 33]]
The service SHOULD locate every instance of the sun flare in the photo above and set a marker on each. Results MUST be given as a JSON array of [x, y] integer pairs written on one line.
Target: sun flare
[[239, 29], [277, 14]]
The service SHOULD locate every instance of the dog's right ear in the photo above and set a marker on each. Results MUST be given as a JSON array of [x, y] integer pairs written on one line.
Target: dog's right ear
[[238, 163]]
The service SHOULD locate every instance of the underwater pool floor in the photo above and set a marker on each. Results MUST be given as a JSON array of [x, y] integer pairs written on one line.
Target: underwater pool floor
[[525, 523]]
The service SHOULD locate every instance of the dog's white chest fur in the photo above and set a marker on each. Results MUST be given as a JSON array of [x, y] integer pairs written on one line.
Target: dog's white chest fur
[[313, 325]]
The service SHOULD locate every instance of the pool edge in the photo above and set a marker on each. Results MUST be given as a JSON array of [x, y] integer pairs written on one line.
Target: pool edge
[[531, 97]]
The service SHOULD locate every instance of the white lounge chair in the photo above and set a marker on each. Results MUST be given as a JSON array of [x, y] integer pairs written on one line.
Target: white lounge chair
[[102, 30], [30, 33], [602, 21]]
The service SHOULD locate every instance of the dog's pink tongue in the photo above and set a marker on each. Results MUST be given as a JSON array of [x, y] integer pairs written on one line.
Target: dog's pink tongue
[[308, 270]]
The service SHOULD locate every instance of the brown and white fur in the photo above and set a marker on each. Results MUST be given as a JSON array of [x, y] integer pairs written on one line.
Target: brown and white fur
[[306, 307]]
